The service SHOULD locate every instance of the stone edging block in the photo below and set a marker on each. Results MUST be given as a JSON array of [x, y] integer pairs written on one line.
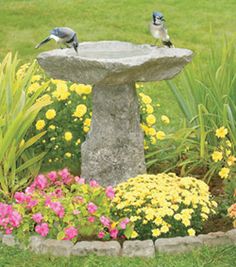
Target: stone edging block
[[130, 248]]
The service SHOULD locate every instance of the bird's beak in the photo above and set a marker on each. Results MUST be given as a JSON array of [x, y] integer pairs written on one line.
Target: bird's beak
[[43, 42], [75, 45]]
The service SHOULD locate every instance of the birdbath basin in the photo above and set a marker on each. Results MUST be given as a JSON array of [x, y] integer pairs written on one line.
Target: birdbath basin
[[113, 150]]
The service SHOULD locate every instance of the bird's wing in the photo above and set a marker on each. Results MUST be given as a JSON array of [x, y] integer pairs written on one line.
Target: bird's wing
[[63, 32]]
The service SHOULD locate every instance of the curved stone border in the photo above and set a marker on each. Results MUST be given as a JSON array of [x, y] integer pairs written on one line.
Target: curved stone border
[[130, 248]]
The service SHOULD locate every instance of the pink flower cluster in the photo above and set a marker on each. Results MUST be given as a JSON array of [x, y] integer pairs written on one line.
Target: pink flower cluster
[[23, 198], [9, 218]]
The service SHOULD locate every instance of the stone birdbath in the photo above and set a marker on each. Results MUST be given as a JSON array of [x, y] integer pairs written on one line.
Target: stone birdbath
[[113, 150]]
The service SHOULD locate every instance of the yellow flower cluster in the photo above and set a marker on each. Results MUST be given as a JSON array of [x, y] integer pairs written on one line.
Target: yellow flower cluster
[[164, 204], [81, 89], [80, 111], [61, 92]]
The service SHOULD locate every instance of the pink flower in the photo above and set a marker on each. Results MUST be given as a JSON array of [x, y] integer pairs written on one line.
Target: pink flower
[[19, 197], [101, 234], [91, 219], [8, 231], [58, 209], [79, 180], [65, 174], [113, 233], [91, 207], [76, 212], [32, 203], [37, 217], [15, 218], [41, 181], [110, 193], [42, 229], [30, 189], [71, 232], [52, 176], [124, 223], [93, 183], [59, 192], [105, 221]]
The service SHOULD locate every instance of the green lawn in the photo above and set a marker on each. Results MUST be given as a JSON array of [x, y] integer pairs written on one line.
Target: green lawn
[[215, 257], [26, 22]]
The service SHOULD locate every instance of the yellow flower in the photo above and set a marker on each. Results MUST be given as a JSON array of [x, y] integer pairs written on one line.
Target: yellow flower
[[40, 124], [134, 234], [149, 109], [217, 156], [52, 138], [228, 143], [231, 160], [81, 89], [191, 232], [224, 172], [78, 142], [61, 92], [50, 114], [165, 119], [177, 216], [151, 119], [221, 132], [35, 78], [160, 135], [52, 127], [146, 99], [151, 131], [156, 232], [153, 140], [87, 122], [33, 88], [227, 152], [164, 229], [68, 155], [86, 129], [81, 109], [68, 136]]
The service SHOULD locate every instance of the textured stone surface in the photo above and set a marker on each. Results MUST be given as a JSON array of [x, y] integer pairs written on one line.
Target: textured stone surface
[[177, 244], [99, 248], [215, 239], [35, 243], [113, 150], [232, 235], [56, 247], [113, 62], [138, 248], [8, 240]]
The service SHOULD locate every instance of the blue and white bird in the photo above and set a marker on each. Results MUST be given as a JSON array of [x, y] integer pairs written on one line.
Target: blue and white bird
[[63, 36], [158, 29]]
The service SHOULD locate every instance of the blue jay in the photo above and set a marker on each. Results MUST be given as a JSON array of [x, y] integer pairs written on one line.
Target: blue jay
[[158, 29], [62, 35]]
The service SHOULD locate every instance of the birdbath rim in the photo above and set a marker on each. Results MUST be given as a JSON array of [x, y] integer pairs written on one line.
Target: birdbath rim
[[114, 62]]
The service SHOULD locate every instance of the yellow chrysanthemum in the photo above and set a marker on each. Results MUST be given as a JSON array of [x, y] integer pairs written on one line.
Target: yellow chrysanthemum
[[221, 132], [165, 119], [87, 122], [149, 109], [80, 111], [68, 136], [52, 127], [160, 135], [81, 89], [51, 114], [68, 154], [36, 78], [146, 99], [33, 88], [191, 232], [134, 234], [231, 160], [150, 119], [40, 124], [61, 92], [217, 156], [78, 142], [151, 131], [224, 172], [156, 232]]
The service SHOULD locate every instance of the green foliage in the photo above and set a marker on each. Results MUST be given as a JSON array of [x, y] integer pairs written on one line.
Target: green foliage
[[18, 164]]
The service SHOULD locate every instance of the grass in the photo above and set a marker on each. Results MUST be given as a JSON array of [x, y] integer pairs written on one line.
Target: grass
[[27, 22], [205, 257]]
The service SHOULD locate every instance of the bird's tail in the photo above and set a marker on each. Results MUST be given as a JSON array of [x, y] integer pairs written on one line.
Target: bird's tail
[[168, 43], [43, 42]]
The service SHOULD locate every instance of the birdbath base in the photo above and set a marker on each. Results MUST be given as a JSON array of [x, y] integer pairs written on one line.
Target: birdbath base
[[113, 150]]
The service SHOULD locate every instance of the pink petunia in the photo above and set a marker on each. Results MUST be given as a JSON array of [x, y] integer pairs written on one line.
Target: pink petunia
[[91, 207], [42, 229], [113, 233], [79, 180], [101, 234], [20, 197], [110, 193], [105, 221], [58, 209], [93, 183], [41, 181], [37, 217], [91, 219], [71, 232], [52, 176], [124, 223]]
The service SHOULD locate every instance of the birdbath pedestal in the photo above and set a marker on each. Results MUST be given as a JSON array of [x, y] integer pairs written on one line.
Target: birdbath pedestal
[[113, 150]]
